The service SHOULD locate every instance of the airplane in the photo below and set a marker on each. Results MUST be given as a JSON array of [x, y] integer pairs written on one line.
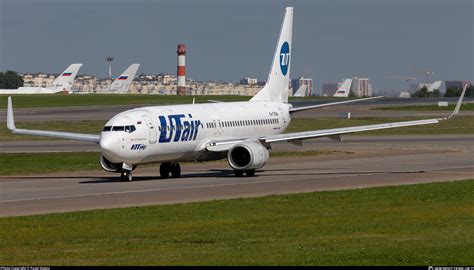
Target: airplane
[[435, 86], [242, 132], [62, 83], [344, 89], [122, 83], [301, 92]]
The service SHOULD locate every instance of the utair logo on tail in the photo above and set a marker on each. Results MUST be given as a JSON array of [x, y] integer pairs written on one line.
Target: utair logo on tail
[[284, 58], [177, 129]]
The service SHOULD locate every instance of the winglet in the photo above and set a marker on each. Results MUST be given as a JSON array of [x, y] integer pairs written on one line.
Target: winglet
[[458, 105], [10, 119]]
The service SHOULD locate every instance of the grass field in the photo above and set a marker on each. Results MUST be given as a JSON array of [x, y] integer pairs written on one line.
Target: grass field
[[34, 163], [450, 107], [458, 125], [37, 163], [61, 100], [428, 224]]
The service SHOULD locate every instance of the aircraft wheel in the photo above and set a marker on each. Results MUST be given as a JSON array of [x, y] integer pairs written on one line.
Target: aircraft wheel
[[165, 169], [250, 173], [126, 176], [175, 170], [239, 173]]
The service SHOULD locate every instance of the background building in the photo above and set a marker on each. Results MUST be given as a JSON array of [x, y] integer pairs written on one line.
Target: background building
[[248, 81], [38, 79], [360, 87], [456, 84]]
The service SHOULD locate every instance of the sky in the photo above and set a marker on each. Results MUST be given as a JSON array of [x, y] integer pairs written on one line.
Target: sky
[[227, 40]]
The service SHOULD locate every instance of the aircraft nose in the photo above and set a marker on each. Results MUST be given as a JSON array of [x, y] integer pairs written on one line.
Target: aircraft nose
[[110, 147]]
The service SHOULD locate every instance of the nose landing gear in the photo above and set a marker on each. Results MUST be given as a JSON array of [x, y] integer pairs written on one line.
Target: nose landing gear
[[126, 176], [169, 167]]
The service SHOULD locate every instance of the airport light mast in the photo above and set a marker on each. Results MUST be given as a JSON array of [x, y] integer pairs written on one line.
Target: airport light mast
[[109, 60], [428, 73]]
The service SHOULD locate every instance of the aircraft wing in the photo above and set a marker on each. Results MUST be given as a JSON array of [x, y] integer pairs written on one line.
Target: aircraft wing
[[46, 133], [297, 137], [292, 110], [339, 131]]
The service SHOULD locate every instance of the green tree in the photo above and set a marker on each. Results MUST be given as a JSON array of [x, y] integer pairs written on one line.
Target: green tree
[[452, 92], [435, 93], [422, 93], [456, 92], [10, 80]]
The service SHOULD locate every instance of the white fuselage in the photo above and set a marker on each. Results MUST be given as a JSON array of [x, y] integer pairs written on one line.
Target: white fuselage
[[181, 132], [31, 90]]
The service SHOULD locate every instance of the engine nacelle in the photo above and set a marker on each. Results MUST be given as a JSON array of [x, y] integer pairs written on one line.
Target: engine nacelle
[[109, 166], [247, 156]]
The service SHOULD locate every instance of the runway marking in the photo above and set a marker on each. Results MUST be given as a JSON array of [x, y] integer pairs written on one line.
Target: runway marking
[[194, 187]]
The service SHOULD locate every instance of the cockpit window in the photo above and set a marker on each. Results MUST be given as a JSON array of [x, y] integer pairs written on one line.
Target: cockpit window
[[130, 129]]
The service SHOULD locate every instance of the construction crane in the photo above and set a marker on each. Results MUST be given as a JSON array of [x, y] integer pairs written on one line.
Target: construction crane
[[406, 78]]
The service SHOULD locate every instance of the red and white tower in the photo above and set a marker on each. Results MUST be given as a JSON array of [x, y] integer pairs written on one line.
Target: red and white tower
[[181, 70]]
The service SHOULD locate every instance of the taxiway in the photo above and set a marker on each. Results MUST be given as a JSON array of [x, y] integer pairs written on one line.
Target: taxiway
[[364, 161]]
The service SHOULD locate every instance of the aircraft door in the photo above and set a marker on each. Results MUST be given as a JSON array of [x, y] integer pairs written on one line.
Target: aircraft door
[[151, 128], [219, 128]]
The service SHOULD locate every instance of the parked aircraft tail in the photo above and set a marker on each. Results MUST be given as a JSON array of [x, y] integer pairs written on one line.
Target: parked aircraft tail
[[345, 88], [435, 86], [65, 80], [301, 92], [122, 83]]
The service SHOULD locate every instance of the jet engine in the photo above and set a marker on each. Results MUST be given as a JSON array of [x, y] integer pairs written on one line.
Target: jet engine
[[109, 166], [247, 156]]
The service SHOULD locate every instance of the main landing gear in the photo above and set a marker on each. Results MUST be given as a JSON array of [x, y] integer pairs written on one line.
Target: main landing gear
[[170, 167], [240, 173]]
